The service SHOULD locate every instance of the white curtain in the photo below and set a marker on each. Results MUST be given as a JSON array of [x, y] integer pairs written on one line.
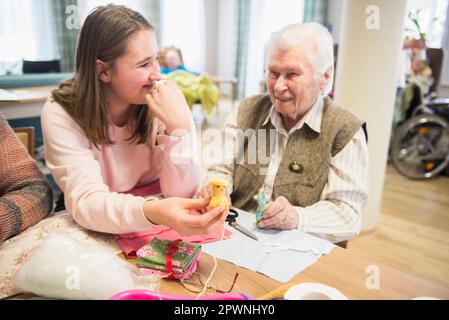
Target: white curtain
[[267, 16], [26, 32], [183, 26], [86, 6]]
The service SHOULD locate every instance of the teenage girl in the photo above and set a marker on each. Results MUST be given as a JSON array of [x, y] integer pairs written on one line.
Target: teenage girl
[[114, 134]]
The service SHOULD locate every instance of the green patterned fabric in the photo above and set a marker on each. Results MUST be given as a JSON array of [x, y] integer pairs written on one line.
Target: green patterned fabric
[[155, 254], [243, 16], [66, 31]]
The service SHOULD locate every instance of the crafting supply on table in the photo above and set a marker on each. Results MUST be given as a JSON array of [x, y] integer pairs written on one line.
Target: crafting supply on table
[[130, 243], [262, 200], [175, 259], [304, 291], [218, 198], [232, 220], [280, 254], [149, 295]]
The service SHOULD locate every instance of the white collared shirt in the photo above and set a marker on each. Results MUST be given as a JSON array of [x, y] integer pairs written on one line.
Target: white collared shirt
[[337, 216]]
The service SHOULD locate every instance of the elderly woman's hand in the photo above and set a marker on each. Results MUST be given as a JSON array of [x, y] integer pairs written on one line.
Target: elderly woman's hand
[[279, 214]]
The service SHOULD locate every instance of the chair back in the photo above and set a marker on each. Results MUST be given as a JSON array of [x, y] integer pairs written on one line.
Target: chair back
[[26, 136], [435, 58], [53, 66]]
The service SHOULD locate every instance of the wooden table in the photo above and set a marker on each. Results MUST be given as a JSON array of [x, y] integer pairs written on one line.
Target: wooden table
[[29, 105], [340, 269]]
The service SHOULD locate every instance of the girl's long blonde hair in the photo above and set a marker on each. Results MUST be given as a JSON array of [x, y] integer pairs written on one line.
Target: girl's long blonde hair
[[103, 36]]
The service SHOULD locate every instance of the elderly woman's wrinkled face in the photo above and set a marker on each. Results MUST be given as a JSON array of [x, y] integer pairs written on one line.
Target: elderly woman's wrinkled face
[[292, 83]]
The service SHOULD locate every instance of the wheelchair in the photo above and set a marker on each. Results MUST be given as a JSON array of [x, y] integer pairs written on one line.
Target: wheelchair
[[420, 145]]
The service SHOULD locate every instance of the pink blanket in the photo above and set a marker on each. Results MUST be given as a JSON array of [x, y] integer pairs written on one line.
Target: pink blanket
[[130, 243]]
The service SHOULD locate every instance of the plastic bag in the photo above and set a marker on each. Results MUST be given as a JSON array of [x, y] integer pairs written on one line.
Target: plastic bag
[[63, 268]]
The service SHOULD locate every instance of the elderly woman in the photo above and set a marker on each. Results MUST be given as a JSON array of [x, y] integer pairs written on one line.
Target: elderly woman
[[25, 195], [316, 174]]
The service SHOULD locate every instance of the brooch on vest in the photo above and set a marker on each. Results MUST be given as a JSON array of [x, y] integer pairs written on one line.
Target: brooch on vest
[[296, 167]]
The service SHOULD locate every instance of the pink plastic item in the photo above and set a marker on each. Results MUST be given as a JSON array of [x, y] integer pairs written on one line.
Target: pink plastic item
[[150, 295]]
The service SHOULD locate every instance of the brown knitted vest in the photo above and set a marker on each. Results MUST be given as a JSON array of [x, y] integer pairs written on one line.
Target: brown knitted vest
[[304, 168]]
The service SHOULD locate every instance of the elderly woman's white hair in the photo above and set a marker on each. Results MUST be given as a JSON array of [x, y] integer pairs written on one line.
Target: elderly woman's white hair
[[316, 39]]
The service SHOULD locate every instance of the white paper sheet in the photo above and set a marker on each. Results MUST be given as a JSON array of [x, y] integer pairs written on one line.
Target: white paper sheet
[[277, 254], [8, 96]]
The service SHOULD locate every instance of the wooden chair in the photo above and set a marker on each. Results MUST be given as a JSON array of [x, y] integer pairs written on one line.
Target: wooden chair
[[26, 136]]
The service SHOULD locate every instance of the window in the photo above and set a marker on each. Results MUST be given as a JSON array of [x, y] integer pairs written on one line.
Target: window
[[183, 25], [29, 29], [26, 26], [267, 16], [431, 17]]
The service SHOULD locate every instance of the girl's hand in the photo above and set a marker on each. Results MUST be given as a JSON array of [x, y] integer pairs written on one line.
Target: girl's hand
[[204, 193], [175, 213], [168, 103]]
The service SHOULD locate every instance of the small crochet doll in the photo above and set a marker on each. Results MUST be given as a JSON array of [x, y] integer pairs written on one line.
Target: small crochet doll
[[262, 200], [219, 198]]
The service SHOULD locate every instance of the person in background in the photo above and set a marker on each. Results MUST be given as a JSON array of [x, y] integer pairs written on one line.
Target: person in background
[[173, 62], [415, 80], [25, 195], [420, 75]]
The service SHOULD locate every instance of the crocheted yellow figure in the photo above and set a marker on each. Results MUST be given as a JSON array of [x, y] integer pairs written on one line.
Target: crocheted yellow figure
[[218, 195]]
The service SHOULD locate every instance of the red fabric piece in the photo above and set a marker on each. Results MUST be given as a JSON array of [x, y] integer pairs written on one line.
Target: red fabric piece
[[172, 248], [130, 243]]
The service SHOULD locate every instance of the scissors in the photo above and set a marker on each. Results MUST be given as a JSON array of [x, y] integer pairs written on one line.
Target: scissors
[[232, 220]]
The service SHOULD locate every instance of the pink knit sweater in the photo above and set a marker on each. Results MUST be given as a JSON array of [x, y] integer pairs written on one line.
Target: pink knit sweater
[[96, 183]]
